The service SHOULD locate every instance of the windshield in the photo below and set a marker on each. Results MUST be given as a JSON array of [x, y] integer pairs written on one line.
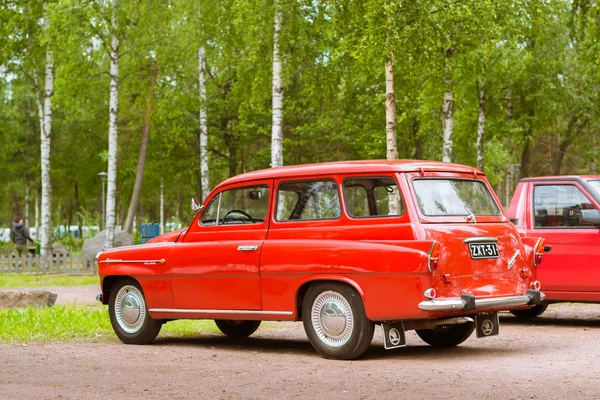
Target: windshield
[[595, 184], [458, 197]]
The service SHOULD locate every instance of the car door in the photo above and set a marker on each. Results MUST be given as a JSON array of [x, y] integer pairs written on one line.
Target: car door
[[216, 266], [573, 263]]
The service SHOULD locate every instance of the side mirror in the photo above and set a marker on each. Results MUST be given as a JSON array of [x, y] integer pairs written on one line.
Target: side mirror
[[195, 205], [591, 217], [255, 195]]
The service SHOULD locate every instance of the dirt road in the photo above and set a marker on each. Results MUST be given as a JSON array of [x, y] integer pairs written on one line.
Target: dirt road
[[555, 357]]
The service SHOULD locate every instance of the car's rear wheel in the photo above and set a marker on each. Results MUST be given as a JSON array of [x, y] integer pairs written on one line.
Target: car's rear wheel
[[129, 315], [335, 321], [237, 329], [531, 312], [447, 335]]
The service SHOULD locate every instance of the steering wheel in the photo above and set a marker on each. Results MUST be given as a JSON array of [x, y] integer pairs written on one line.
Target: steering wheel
[[245, 214]]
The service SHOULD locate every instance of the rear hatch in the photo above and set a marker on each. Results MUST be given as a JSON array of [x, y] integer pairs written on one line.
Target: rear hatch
[[480, 249]]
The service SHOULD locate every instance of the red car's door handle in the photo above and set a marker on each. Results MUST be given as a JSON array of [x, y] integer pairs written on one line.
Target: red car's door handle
[[247, 248]]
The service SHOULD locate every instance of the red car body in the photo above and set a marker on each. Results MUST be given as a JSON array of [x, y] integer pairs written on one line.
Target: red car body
[[400, 268], [564, 211]]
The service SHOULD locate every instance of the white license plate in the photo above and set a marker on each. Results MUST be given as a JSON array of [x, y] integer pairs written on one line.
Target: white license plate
[[483, 250]]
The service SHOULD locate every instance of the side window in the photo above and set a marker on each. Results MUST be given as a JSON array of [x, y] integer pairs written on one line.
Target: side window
[[308, 200], [559, 206], [247, 205], [372, 197]]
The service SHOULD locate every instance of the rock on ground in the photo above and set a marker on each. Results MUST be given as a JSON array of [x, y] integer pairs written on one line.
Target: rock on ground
[[92, 246], [21, 299], [58, 248]]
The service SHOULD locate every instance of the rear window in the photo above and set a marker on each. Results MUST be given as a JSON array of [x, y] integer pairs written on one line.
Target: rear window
[[454, 197]]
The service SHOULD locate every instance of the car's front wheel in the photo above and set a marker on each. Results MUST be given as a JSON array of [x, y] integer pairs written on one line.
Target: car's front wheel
[[335, 321], [129, 315], [237, 329], [530, 312], [447, 335]]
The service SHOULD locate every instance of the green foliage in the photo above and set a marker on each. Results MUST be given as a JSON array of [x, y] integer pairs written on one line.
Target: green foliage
[[537, 62]]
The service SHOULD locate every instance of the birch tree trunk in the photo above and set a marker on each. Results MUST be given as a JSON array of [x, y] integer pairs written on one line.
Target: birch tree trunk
[[277, 130], [390, 110], [204, 173], [481, 126], [111, 185], [448, 110], [46, 228], [139, 173]]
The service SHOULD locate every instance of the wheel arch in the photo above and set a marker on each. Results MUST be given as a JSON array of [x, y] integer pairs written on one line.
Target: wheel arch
[[303, 288], [109, 282]]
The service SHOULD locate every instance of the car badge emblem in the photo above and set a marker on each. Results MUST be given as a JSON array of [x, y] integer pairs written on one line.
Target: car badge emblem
[[513, 259], [487, 327], [394, 337]]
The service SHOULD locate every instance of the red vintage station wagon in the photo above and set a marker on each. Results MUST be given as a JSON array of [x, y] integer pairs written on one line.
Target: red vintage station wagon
[[409, 245]]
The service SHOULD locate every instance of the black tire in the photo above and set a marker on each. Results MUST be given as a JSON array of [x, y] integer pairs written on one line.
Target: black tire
[[129, 315], [447, 335], [532, 312], [343, 336], [237, 329]]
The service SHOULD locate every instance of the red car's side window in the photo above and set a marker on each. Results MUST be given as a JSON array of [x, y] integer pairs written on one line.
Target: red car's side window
[[557, 206], [373, 197], [243, 205], [308, 200]]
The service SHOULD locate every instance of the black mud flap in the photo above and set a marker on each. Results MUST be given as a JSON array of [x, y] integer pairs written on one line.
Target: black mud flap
[[487, 325], [393, 335]]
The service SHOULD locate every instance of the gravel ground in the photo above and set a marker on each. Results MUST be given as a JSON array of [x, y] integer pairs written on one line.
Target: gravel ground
[[554, 356]]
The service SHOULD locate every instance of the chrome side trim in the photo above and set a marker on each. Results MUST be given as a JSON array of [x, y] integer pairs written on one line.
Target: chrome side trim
[[120, 261], [196, 311], [478, 239], [457, 304]]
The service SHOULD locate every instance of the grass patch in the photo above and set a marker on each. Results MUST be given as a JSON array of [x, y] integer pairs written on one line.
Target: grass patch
[[19, 280], [64, 323]]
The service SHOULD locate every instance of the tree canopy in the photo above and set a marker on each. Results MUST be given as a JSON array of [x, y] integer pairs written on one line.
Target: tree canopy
[[536, 63]]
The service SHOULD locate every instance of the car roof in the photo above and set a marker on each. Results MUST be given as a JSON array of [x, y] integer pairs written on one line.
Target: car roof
[[349, 167], [559, 178]]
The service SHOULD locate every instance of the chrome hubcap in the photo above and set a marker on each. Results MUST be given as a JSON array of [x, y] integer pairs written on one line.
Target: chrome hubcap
[[130, 309], [332, 318]]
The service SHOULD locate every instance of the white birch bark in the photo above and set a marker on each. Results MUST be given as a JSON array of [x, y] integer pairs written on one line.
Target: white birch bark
[[390, 127], [481, 126], [204, 173], [111, 184], [162, 207], [46, 211], [277, 129], [448, 111], [390, 111]]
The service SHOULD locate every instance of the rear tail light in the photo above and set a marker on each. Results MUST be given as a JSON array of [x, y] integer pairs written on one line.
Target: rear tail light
[[536, 285], [538, 252], [430, 293], [432, 257]]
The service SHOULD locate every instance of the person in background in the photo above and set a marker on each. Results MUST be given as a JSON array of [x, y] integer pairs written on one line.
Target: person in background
[[19, 236]]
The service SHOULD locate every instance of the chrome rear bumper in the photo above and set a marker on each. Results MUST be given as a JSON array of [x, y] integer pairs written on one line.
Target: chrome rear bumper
[[469, 302]]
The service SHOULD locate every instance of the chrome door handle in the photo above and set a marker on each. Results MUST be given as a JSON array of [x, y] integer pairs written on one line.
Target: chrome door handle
[[247, 248]]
